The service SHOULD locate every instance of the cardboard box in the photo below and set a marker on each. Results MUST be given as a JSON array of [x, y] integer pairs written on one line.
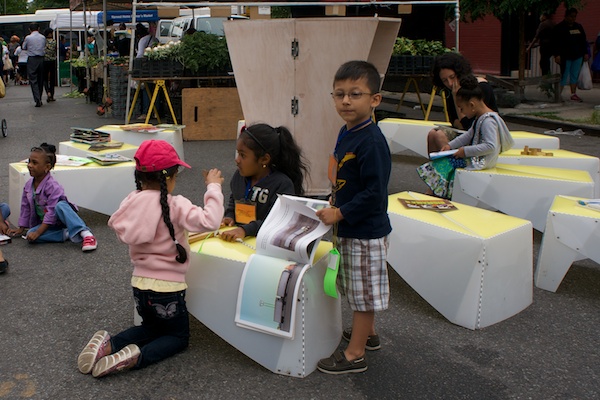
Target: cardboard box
[[339, 11], [263, 12], [210, 113]]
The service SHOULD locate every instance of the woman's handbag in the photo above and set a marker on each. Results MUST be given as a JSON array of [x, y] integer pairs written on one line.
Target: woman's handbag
[[8, 65]]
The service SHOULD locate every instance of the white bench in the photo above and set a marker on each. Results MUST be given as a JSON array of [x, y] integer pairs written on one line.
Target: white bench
[[173, 136], [572, 233], [520, 190], [97, 188], [559, 159], [410, 134], [213, 283], [81, 150], [472, 265]]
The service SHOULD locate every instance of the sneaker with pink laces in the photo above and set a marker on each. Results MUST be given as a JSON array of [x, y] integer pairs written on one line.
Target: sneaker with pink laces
[[93, 351], [89, 243], [125, 358], [576, 98]]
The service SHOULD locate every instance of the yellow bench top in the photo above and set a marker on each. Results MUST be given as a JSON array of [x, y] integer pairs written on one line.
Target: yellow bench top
[[569, 205], [526, 134], [555, 154], [236, 251], [412, 122], [465, 219], [21, 167], [535, 172], [85, 147]]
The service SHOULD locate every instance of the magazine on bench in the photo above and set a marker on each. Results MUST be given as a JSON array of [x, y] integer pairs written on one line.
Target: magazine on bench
[[285, 247]]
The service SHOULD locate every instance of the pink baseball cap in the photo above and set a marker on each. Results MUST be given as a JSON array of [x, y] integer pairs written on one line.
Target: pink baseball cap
[[156, 155]]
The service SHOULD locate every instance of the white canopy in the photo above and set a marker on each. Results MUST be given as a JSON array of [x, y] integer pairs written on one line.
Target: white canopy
[[63, 21]]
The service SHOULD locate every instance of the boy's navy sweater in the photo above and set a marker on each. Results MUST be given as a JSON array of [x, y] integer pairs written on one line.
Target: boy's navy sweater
[[364, 166]]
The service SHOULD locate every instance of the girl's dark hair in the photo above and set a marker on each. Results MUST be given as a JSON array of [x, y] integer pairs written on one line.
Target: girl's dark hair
[[286, 156], [49, 150], [48, 31], [453, 61], [161, 177], [355, 70], [469, 88]]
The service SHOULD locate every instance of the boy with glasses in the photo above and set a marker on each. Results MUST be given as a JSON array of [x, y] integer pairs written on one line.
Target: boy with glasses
[[360, 171]]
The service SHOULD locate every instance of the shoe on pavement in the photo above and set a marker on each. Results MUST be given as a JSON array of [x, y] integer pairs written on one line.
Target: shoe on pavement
[[125, 358], [3, 266], [93, 351], [337, 364], [372, 344], [576, 98], [89, 243]]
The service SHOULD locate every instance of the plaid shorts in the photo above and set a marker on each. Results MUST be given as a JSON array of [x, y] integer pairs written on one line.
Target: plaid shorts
[[363, 276]]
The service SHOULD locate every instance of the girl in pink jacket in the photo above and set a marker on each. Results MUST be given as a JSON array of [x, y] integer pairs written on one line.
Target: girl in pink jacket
[[154, 224]]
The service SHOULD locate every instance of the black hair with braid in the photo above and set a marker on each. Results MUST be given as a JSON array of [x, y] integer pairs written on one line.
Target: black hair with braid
[[49, 150], [286, 155], [161, 177]]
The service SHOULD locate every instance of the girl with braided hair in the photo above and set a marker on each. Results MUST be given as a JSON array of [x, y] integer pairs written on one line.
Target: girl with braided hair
[[269, 163], [46, 213], [155, 223]]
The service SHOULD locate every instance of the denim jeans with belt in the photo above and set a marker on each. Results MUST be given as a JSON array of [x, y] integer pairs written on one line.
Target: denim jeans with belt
[[165, 328], [69, 220]]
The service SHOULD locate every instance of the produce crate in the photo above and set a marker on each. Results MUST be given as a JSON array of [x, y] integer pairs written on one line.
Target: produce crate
[[144, 68], [410, 65]]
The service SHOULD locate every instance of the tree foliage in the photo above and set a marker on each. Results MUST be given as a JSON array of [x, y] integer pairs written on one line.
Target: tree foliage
[[14, 7], [475, 9], [45, 4]]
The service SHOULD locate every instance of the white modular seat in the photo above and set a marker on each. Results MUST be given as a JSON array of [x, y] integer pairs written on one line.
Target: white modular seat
[[472, 265]]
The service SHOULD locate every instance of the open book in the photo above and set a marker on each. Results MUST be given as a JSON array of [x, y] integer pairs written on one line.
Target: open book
[[285, 248]]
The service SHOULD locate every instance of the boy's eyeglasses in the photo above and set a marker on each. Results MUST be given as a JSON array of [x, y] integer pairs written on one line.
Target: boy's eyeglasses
[[339, 96]]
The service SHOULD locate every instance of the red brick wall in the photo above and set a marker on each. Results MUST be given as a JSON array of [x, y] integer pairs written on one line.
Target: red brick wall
[[480, 41]]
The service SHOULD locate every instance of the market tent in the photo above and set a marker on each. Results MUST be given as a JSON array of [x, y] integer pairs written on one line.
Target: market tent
[[63, 21]]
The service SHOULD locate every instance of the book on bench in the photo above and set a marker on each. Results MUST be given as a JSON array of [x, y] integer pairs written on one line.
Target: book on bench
[[285, 247]]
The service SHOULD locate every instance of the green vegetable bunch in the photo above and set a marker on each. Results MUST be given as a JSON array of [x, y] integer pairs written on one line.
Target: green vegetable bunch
[[203, 51], [419, 47]]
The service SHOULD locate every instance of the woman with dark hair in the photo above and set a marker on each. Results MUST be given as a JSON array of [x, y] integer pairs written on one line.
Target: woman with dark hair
[[448, 70]]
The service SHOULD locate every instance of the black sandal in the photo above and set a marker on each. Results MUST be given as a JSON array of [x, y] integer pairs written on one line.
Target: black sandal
[[3, 266]]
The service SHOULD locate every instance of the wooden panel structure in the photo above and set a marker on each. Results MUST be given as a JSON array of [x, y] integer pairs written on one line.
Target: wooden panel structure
[[269, 76], [210, 113]]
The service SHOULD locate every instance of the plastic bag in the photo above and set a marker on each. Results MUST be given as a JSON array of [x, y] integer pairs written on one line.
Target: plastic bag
[[585, 77], [2, 88]]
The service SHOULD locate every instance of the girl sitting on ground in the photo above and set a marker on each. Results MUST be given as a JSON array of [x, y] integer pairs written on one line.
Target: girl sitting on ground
[[45, 209]]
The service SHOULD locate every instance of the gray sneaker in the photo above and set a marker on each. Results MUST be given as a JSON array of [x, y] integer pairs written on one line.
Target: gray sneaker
[[372, 344]]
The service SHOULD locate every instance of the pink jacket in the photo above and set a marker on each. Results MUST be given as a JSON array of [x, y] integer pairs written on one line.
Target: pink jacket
[[138, 223]]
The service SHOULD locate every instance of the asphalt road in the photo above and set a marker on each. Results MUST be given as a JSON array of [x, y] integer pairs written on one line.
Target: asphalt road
[[54, 297]]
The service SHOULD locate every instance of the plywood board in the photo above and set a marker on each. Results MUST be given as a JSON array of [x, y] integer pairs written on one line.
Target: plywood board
[[269, 77], [210, 113]]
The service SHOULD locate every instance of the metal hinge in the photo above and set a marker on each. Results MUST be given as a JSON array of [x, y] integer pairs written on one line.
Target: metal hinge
[[295, 48], [294, 106]]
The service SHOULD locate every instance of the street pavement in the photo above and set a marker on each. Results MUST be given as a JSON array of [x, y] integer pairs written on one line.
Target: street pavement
[[54, 297]]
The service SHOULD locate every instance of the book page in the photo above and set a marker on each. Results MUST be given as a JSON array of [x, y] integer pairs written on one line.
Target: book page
[[440, 154], [267, 295], [292, 229]]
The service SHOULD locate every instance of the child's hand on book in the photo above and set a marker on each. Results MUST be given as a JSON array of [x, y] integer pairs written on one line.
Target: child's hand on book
[[233, 235], [227, 221], [330, 216], [460, 153], [213, 176]]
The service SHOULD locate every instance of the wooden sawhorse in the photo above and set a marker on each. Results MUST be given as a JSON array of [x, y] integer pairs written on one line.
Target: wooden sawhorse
[[159, 83]]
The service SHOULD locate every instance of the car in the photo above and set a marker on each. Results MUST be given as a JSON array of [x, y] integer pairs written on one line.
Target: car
[[201, 23]]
